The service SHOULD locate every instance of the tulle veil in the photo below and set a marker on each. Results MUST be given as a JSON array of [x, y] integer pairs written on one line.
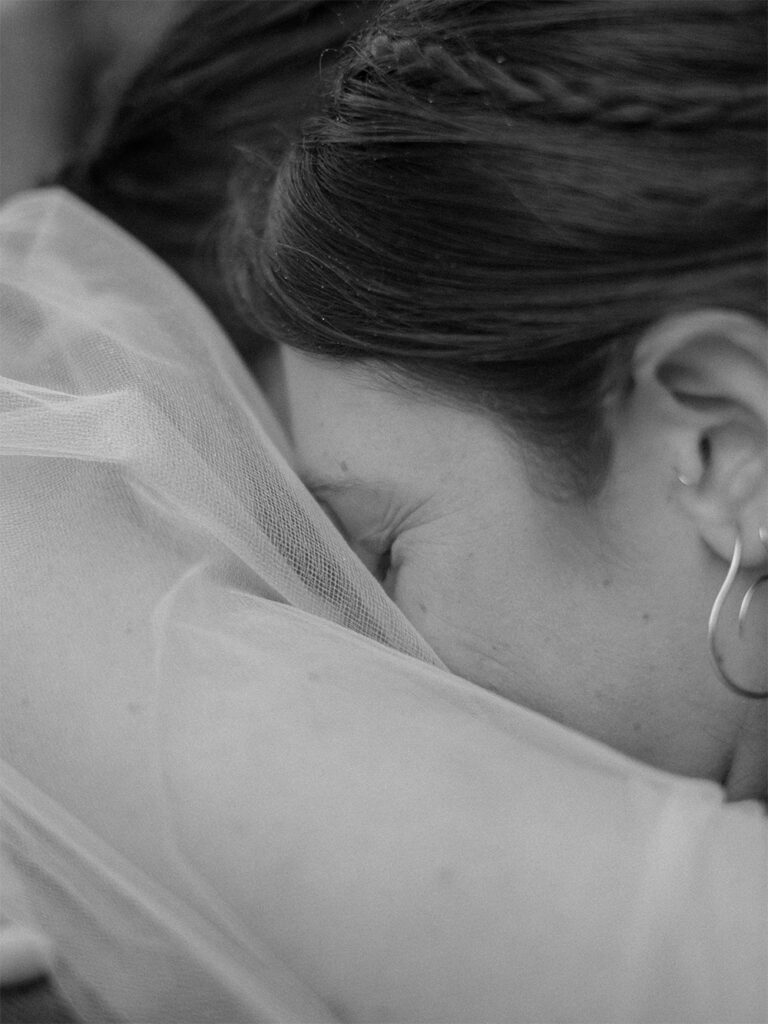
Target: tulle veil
[[167, 587]]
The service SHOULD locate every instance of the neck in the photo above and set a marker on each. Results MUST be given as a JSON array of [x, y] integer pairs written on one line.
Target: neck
[[747, 777]]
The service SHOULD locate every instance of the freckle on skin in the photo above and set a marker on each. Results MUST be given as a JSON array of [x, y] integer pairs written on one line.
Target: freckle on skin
[[134, 707], [344, 466], [422, 607], [607, 582], [646, 617]]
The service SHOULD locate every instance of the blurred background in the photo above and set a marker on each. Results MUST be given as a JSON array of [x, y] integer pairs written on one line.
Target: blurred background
[[62, 61]]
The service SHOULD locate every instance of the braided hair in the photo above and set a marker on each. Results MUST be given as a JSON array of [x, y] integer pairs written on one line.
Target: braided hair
[[502, 195], [544, 94]]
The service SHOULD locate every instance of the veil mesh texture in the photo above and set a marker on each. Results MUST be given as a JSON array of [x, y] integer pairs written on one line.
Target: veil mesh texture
[[223, 747]]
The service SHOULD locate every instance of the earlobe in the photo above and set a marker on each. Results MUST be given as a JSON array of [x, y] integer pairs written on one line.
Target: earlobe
[[704, 376]]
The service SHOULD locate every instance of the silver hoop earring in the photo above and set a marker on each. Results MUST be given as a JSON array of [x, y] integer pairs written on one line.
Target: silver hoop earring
[[717, 607]]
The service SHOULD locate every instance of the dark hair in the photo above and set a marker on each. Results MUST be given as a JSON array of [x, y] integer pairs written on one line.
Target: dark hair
[[232, 76], [501, 196]]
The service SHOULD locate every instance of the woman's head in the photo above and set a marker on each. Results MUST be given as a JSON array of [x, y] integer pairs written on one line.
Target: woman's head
[[503, 196], [230, 76], [523, 254]]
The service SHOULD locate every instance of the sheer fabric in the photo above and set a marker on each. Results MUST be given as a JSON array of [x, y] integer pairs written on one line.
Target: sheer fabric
[[228, 760]]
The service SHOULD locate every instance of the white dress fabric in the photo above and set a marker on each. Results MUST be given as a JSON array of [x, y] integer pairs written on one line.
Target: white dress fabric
[[230, 764]]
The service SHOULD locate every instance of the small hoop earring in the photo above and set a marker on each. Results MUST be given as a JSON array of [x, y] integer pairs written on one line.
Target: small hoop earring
[[717, 607]]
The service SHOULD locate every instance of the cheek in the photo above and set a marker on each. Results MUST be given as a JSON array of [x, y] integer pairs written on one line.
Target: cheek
[[444, 592]]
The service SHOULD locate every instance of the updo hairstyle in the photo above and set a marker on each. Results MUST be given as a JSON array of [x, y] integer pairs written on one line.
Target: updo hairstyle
[[502, 195]]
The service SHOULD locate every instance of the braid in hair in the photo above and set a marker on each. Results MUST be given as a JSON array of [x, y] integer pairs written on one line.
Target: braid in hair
[[540, 93], [503, 195]]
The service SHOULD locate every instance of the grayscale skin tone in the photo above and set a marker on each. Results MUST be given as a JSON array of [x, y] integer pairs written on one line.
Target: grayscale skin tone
[[592, 612]]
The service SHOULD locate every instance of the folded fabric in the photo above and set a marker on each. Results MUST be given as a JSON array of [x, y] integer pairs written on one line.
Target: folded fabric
[[25, 954], [237, 784]]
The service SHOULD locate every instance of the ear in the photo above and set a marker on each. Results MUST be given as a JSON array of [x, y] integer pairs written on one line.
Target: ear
[[704, 375]]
